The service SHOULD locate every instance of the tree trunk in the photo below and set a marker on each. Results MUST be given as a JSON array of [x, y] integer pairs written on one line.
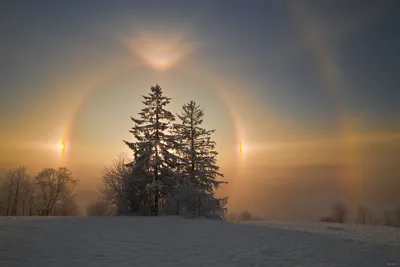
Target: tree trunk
[[156, 165], [23, 208], [155, 210], [16, 200], [198, 205], [9, 201]]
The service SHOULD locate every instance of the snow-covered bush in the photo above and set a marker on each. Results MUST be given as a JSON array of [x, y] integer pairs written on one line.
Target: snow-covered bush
[[100, 208], [245, 216]]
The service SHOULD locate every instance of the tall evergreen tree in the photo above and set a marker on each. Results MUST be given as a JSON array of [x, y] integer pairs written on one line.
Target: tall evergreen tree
[[154, 143], [200, 169]]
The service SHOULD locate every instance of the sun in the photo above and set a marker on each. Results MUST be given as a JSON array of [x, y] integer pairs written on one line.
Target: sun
[[61, 146], [241, 148]]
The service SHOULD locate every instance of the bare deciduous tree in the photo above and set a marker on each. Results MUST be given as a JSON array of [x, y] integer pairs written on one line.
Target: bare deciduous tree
[[3, 197], [245, 216], [364, 215], [66, 207], [397, 215], [339, 212], [114, 182], [15, 189], [99, 208], [52, 187]]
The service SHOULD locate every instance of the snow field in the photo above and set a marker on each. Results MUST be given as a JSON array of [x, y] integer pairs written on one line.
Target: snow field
[[175, 241]]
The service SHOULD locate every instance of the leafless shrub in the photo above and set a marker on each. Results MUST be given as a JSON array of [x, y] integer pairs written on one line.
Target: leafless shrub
[[99, 208]]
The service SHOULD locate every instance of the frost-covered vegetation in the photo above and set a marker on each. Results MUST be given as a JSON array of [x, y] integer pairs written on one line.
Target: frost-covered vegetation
[[174, 169], [49, 193]]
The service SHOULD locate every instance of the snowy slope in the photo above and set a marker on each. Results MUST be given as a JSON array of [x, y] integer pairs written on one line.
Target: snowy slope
[[374, 234], [173, 241]]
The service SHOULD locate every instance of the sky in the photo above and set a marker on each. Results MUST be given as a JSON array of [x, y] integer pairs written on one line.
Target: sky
[[309, 88]]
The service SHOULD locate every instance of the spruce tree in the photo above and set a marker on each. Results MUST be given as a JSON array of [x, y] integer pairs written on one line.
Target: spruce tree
[[153, 157], [197, 150]]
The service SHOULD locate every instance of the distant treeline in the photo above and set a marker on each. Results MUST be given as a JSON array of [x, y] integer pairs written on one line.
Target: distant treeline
[[339, 213]]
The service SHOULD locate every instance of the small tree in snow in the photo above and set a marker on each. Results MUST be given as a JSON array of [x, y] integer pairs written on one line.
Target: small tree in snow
[[245, 216], [388, 218], [397, 215], [339, 212], [99, 208], [364, 215]]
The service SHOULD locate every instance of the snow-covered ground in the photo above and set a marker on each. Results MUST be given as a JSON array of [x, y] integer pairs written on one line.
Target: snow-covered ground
[[374, 234], [174, 241]]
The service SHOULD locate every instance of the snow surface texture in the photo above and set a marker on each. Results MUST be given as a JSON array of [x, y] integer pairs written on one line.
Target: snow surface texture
[[374, 234], [174, 241]]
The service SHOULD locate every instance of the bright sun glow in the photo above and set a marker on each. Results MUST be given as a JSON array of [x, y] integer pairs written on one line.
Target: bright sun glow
[[160, 51], [61, 146], [241, 148]]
